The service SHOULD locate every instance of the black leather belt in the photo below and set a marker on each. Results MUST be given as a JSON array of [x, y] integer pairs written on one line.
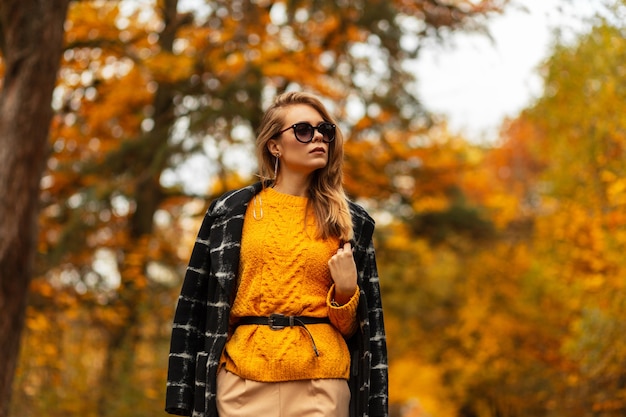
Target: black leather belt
[[280, 321]]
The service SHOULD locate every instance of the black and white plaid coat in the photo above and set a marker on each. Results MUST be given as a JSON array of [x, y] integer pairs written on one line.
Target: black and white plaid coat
[[200, 324]]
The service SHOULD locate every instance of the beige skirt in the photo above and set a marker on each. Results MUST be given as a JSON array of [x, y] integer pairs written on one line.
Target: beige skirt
[[238, 397]]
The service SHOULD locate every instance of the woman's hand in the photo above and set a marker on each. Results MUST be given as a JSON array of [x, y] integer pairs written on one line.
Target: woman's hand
[[343, 273]]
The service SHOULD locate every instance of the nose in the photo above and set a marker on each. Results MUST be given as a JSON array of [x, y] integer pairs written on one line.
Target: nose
[[317, 136]]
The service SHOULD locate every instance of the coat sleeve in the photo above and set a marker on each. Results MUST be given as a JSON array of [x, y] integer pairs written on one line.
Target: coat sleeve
[[188, 326], [368, 347], [378, 398]]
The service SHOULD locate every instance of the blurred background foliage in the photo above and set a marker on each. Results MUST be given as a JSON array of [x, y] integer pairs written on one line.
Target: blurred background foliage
[[502, 264]]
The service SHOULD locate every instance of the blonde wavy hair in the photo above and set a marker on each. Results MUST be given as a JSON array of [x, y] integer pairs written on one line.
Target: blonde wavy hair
[[326, 195]]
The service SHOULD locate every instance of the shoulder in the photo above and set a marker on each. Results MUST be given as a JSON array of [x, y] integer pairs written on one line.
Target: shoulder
[[362, 224], [233, 200], [359, 214]]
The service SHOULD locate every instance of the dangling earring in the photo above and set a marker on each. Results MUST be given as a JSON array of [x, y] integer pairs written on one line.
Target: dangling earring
[[276, 165]]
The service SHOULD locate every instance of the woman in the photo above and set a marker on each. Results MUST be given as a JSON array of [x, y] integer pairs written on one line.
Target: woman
[[280, 310]]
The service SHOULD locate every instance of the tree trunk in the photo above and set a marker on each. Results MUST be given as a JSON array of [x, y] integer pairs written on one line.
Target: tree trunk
[[31, 38]]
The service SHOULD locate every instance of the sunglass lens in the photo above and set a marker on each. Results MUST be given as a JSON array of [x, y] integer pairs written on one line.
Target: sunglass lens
[[327, 130], [304, 132]]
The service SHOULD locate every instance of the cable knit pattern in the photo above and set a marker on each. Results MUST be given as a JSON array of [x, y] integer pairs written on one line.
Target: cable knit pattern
[[284, 269]]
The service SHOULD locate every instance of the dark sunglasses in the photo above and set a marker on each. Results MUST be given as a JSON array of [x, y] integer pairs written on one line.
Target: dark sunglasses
[[305, 131]]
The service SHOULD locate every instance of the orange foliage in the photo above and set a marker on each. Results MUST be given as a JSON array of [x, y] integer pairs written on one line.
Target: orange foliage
[[144, 91]]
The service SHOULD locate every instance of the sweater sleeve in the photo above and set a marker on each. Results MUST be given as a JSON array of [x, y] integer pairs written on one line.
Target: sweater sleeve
[[343, 317], [188, 326]]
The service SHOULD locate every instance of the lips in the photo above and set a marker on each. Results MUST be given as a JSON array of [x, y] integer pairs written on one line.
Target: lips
[[319, 149]]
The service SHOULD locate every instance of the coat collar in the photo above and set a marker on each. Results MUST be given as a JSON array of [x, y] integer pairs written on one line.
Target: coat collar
[[363, 229], [236, 200]]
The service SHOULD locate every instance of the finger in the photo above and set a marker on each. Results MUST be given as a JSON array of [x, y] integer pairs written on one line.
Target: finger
[[347, 246]]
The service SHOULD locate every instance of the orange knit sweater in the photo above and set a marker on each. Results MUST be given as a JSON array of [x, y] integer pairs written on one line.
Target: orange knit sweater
[[284, 269]]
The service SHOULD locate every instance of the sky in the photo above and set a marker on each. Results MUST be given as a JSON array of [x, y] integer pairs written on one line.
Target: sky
[[476, 82]]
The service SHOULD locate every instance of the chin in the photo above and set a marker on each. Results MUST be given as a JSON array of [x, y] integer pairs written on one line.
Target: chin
[[320, 167]]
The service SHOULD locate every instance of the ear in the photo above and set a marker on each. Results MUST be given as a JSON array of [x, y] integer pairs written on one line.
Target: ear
[[273, 147]]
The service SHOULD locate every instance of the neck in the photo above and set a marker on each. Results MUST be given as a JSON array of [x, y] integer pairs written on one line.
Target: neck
[[293, 185]]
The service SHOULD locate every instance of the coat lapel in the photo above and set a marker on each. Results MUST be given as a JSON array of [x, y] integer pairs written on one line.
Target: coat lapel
[[225, 245], [363, 228]]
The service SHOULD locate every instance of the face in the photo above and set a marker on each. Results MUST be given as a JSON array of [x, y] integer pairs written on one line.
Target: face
[[297, 158]]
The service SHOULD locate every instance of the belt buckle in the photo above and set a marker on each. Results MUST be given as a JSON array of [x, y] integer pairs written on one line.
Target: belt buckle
[[272, 318]]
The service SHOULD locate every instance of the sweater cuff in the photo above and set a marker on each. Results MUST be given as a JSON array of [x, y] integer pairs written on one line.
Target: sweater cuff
[[343, 317]]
